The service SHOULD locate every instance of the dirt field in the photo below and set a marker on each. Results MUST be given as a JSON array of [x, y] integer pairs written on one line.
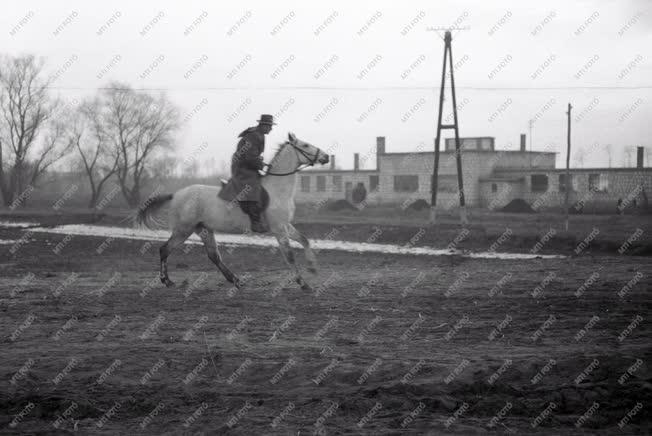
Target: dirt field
[[92, 343]]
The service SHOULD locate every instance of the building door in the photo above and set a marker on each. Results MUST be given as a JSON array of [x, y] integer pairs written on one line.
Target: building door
[[348, 189]]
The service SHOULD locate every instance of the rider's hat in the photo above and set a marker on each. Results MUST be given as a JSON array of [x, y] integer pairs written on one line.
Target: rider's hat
[[266, 119]]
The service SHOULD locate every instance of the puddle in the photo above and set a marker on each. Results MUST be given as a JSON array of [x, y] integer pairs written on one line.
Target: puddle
[[268, 241]]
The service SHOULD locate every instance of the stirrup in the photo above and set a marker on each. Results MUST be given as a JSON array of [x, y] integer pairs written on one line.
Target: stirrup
[[259, 227]]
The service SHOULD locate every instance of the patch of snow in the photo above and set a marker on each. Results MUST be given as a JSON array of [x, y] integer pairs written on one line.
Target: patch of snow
[[17, 224], [7, 241], [268, 241]]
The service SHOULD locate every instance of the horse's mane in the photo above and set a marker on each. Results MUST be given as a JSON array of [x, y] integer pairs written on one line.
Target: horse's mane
[[280, 147]]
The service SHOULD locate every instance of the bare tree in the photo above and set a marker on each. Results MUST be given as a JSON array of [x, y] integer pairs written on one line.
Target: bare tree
[[579, 157], [139, 126], [627, 161], [190, 169], [31, 138], [98, 158], [163, 167], [223, 170], [209, 167]]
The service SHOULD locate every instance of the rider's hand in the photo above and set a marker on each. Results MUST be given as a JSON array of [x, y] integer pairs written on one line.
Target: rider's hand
[[264, 168]]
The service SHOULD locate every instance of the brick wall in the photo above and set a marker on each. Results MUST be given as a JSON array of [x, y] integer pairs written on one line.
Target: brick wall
[[506, 191], [524, 160], [475, 166], [330, 193], [622, 183]]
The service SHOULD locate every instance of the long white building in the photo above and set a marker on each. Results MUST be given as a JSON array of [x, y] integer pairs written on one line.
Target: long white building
[[492, 178]]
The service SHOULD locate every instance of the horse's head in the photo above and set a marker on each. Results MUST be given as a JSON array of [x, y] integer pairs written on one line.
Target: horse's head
[[307, 153]]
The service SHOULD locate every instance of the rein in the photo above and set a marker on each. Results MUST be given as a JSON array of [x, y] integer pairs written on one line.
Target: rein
[[311, 159]]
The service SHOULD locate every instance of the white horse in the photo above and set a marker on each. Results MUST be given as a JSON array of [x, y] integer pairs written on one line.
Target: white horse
[[198, 209]]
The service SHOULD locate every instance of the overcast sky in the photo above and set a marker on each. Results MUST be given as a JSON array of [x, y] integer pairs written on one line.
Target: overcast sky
[[225, 64]]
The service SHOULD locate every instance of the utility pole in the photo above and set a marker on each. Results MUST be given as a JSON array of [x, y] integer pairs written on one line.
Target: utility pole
[[568, 152], [608, 150], [530, 124], [448, 56]]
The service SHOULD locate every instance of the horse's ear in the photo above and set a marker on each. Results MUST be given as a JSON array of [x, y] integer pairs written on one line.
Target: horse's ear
[[291, 137]]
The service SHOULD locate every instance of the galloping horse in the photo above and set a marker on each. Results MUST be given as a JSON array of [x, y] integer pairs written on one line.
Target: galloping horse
[[197, 209]]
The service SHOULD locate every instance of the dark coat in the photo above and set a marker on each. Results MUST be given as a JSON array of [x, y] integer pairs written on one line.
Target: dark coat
[[245, 163]]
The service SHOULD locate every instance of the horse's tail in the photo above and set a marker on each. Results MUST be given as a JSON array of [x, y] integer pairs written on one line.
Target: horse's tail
[[150, 206]]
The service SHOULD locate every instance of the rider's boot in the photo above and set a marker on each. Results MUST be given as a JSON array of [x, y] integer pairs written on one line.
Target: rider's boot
[[258, 222]]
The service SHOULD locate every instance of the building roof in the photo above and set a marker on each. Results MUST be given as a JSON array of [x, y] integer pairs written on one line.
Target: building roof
[[579, 170], [498, 178], [398, 153], [336, 170]]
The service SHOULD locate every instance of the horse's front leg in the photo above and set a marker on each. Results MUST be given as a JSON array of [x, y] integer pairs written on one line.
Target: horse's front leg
[[288, 255], [311, 259]]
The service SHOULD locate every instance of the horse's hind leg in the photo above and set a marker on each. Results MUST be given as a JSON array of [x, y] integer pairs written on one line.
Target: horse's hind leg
[[295, 235], [178, 237], [208, 238]]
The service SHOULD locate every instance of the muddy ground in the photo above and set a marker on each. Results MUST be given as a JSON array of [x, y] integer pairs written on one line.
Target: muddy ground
[[384, 344]]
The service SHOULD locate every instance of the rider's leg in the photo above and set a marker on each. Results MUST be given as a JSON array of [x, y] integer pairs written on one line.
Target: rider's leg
[[253, 209]]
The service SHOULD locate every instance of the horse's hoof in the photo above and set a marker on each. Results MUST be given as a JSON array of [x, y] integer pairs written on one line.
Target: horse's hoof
[[167, 282], [237, 283], [306, 287], [312, 270]]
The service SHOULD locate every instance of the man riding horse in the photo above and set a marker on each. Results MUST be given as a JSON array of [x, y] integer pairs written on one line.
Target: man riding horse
[[244, 186]]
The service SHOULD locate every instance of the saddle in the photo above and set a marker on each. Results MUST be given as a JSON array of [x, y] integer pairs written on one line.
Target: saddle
[[263, 200]]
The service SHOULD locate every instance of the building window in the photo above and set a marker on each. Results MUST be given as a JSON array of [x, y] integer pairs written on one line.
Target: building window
[[374, 184], [598, 182], [562, 183], [470, 144], [406, 183], [321, 183], [539, 182], [494, 188], [465, 143], [445, 183], [305, 183], [337, 183], [486, 144]]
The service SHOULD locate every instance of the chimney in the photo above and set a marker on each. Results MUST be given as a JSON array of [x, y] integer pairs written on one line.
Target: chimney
[[356, 161], [380, 149], [380, 145], [522, 141], [332, 161], [639, 157]]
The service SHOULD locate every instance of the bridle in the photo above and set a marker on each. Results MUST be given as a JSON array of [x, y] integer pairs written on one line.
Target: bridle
[[311, 161]]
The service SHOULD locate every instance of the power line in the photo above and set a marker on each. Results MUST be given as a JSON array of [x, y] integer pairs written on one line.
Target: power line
[[354, 88]]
